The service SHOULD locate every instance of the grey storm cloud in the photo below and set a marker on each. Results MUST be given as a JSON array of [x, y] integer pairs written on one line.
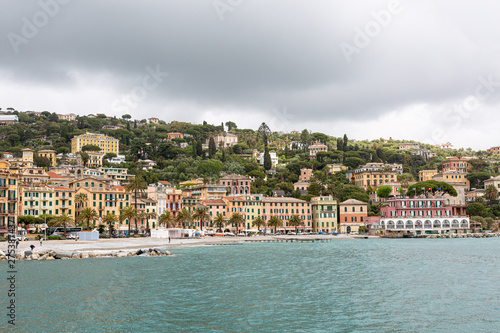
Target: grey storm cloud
[[242, 54]]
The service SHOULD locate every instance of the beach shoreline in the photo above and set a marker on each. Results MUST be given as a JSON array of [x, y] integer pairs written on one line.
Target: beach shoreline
[[129, 244]]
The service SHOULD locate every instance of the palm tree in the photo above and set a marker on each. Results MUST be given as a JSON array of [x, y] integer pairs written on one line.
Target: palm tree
[[184, 217], [258, 222], [166, 219], [88, 214], [202, 215], [80, 199], [63, 220], [295, 221], [110, 220], [237, 219], [275, 222], [136, 185], [219, 222], [128, 213], [147, 216], [490, 193]]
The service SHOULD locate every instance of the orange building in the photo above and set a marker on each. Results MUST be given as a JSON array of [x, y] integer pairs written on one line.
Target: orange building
[[352, 215]]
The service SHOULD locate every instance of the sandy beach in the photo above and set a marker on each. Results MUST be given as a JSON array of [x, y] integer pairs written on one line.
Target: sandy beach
[[117, 244]]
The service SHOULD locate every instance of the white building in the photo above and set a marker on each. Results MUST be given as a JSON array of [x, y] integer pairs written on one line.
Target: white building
[[274, 159]]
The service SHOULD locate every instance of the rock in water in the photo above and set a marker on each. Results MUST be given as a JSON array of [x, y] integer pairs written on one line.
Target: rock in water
[[62, 254]]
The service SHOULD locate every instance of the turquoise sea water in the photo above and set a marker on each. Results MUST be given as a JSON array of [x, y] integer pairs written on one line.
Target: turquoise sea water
[[376, 285]]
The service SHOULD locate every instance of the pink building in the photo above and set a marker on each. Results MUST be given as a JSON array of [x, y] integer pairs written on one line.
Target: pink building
[[456, 164], [315, 148], [237, 184], [420, 215], [175, 135], [305, 174], [284, 208]]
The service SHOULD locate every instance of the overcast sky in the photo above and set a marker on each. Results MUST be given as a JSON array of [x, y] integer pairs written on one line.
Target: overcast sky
[[421, 70]]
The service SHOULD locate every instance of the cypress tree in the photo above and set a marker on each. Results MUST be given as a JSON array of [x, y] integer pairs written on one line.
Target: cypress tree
[[212, 149], [267, 160]]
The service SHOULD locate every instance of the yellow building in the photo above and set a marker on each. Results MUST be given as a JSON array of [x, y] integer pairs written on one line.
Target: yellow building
[[324, 214], [28, 155], [49, 154], [95, 159], [9, 190], [425, 175], [106, 143], [44, 199], [336, 168]]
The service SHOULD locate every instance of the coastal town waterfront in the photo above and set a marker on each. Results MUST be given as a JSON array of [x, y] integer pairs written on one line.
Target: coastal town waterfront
[[379, 285]]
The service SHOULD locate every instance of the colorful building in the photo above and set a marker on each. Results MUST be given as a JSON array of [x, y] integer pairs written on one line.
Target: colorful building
[[106, 143], [420, 215], [48, 154], [457, 163], [236, 184], [352, 215], [9, 191], [324, 214]]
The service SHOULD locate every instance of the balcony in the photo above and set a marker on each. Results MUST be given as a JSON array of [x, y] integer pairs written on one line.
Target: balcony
[[4, 185], [12, 198]]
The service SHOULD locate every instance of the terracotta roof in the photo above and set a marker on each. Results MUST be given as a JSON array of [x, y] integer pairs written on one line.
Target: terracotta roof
[[353, 202], [212, 202], [164, 182], [54, 175]]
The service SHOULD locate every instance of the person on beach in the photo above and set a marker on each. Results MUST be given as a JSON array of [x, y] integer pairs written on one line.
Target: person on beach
[[41, 240], [17, 243], [32, 247], [169, 240]]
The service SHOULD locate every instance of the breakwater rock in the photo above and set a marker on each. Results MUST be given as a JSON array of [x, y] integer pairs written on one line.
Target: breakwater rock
[[66, 255]]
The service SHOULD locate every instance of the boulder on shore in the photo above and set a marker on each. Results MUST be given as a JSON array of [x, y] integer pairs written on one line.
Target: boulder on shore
[[62, 254]]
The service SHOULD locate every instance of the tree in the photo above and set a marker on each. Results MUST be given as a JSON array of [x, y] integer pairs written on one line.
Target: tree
[[384, 191], [147, 216], [62, 220], [202, 215], [345, 141], [315, 189], [258, 222], [237, 220], [91, 148], [41, 161], [295, 221], [166, 219], [491, 193], [476, 209], [354, 162], [126, 116], [430, 186], [275, 222], [477, 178], [128, 213], [136, 185], [87, 215], [80, 199], [353, 192], [264, 132], [230, 125], [212, 149], [267, 159], [219, 222], [184, 217], [85, 157], [110, 220]]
